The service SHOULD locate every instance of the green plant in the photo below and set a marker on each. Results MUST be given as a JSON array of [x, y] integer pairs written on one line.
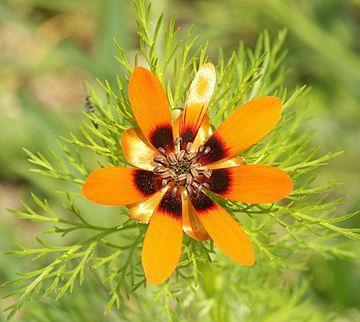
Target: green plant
[[80, 248]]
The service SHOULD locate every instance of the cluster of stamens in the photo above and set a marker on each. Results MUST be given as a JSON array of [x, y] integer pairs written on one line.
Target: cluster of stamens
[[181, 168]]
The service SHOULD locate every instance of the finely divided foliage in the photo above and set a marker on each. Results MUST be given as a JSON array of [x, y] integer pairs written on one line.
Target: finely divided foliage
[[284, 233]]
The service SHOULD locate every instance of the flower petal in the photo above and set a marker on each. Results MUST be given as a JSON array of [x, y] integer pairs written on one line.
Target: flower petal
[[251, 183], [120, 185], [151, 108], [144, 209], [191, 224], [163, 240], [226, 164], [203, 133], [245, 127], [197, 102], [136, 150], [223, 229]]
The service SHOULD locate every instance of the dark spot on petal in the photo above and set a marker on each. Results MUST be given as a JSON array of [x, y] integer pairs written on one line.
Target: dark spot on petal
[[220, 181], [217, 150], [187, 135], [171, 205], [147, 182], [162, 137], [202, 202]]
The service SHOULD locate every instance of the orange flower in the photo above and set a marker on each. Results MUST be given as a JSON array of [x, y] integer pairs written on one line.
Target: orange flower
[[176, 166]]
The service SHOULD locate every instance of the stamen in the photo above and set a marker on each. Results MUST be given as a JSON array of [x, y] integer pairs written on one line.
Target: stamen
[[207, 150], [206, 185], [161, 160], [161, 150], [182, 169], [207, 173], [191, 155], [177, 141], [181, 155], [172, 159], [174, 191], [189, 190], [159, 168], [188, 147], [166, 175], [195, 165], [182, 177], [194, 172], [189, 179]]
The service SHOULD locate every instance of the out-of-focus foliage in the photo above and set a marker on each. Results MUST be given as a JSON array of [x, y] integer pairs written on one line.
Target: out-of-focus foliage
[[48, 50]]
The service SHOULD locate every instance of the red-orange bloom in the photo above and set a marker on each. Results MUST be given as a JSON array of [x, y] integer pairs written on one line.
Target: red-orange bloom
[[176, 166]]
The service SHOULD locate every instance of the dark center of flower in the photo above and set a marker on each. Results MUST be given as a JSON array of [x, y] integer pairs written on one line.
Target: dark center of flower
[[182, 169]]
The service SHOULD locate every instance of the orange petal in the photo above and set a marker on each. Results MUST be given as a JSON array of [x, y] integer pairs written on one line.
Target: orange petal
[[223, 229], [251, 183], [197, 102], [245, 127], [163, 240], [143, 210], [151, 109], [191, 224], [120, 185], [227, 163], [203, 133], [136, 150]]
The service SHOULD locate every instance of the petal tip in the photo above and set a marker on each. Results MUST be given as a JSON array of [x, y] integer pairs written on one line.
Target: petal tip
[[276, 101], [154, 276], [138, 69], [83, 190], [291, 185], [248, 257], [287, 185], [250, 261], [86, 187], [155, 280], [208, 65], [137, 73]]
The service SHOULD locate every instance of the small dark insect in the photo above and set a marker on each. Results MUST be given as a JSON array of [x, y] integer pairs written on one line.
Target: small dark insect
[[89, 107]]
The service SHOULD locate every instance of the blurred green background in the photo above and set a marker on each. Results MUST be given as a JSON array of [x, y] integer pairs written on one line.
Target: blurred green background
[[49, 48]]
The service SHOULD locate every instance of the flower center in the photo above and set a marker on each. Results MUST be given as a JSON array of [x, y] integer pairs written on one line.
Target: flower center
[[182, 169]]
